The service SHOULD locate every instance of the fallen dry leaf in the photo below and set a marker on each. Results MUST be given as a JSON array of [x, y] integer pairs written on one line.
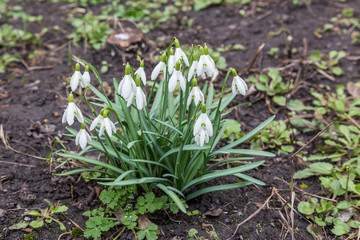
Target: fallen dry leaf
[[353, 89], [143, 222], [214, 213]]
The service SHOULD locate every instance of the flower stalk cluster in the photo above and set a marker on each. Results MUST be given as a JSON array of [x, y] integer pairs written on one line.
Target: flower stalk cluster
[[164, 138]]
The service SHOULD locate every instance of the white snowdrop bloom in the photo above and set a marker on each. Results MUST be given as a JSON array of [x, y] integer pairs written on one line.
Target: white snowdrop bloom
[[71, 112], [159, 68], [171, 62], [76, 78], [202, 137], [85, 80], [203, 128], [177, 79], [82, 137], [206, 66], [195, 94], [127, 84], [97, 121], [238, 84], [139, 96], [193, 67], [179, 53], [107, 125], [141, 72]]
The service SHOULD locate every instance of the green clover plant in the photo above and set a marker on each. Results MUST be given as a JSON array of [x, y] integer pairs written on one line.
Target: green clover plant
[[166, 139]]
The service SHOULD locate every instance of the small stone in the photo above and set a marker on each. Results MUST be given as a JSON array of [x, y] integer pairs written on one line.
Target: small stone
[[2, 212], [27, 219]]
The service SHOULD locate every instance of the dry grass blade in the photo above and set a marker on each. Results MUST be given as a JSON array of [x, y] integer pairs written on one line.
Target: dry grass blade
[[254, 213]]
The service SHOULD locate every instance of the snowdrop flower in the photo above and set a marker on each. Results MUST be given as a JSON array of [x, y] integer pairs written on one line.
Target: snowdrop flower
[[206, 66], [160, 68], [85, 80], [177, 79], [206, 52], [179, 53], [106, 125], [203, 128], [238, 84], [82, 137], [195, 94], [171, 62], [193, 67], [139, 96], [141, 72], [127, 84], [71, 112], [97, 121], [76, 78]]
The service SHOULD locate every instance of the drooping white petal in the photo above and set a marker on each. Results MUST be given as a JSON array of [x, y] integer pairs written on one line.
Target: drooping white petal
[[209, 127], [192, 70], [88, 137], [102, 128], [75, 79], [239, 85], [140, 98], [64, 115], [182, 81], [85, 81], [160, 68], [200, 66], [179, 54], [126, 85], [202, 137], [108, 126], [171, 64], [197, 127], [77, 137], [211, 61], [97, 121], [83, 139], [172, 83], [70, 113], [130, 99], [78, 114], [142, 74]]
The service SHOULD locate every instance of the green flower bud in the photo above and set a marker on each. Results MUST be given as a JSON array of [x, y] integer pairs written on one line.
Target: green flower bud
[[127, 69], [142, 63], [82, 125], [194, 82], [177, 67], [102, 112], [71, 97], [201, 51], [86, 68], [206, 50], [177, 44], [233, 71], [105, 113], [163, 57], [138, 80], [203, 108], [195, 56], [77, 67], [171, 51]]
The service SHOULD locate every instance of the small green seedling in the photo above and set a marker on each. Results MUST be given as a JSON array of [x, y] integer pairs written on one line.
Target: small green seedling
[[271, 84], [275, 136], [44, 216], [326, 213], [327, 63]]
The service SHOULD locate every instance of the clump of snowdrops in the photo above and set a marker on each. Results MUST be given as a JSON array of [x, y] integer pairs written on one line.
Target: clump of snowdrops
[[166, 138]]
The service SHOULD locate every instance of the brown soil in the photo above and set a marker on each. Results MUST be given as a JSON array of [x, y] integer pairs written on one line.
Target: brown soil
[[31, 112]]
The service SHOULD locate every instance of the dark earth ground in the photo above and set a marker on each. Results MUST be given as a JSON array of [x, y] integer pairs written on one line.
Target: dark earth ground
[[31, 114]]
